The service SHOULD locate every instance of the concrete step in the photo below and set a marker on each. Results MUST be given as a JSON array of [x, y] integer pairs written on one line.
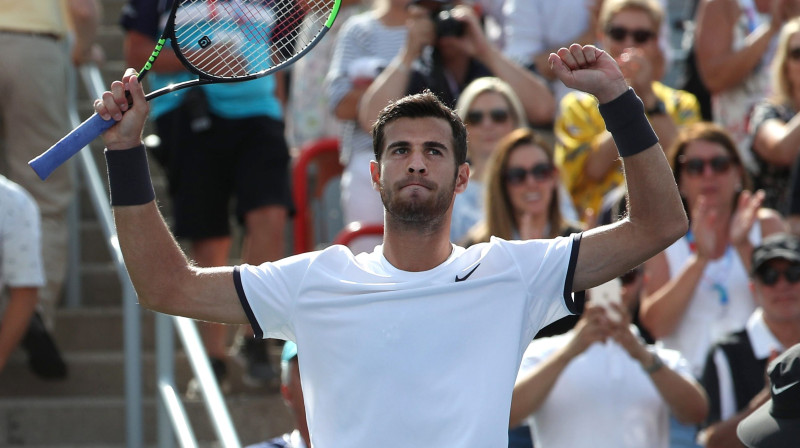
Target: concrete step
[[111, 10], [95, 422], [102, 375]]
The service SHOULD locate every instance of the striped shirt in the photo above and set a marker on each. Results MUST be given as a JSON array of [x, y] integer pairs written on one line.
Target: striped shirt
[[364, 42]]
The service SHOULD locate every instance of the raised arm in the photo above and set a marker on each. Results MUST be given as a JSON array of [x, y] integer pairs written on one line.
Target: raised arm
[[656, 217], [536, 98], [164, 279], [392, 83]]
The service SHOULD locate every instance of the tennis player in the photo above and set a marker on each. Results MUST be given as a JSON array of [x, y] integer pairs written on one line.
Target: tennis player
[[417, 343]]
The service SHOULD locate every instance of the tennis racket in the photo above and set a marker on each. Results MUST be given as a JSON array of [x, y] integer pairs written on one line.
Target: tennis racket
[[219, 41]]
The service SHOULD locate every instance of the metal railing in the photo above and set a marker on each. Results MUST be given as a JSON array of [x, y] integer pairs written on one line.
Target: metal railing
[[172, 419]]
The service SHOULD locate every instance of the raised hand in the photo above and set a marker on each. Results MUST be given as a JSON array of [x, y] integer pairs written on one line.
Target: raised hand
[[745, 215], [114, 105], [589, 69], [594, 326], [704, 224]]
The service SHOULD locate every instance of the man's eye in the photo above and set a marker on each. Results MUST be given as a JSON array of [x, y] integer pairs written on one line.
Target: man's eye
[[434, 151]]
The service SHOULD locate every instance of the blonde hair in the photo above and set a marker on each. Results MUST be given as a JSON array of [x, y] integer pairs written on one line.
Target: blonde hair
[[611, 8], [492, 84], [781, 87]]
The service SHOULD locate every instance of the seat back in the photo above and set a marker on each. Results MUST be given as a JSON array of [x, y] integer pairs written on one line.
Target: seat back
[[315, 176], [356, 230]]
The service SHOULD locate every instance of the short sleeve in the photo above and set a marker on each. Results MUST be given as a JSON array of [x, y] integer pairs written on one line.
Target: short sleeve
[[21, 264]]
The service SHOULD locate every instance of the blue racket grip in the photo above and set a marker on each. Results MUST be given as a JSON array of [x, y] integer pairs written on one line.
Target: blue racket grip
[[68, 146]]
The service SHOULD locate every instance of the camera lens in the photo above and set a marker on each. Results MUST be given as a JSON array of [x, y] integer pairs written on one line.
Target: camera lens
[[446, 25]]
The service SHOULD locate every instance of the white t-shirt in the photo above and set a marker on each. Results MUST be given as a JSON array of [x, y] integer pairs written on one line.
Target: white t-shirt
[[20, 238], [602, 399], [392, 358], [720, 304]]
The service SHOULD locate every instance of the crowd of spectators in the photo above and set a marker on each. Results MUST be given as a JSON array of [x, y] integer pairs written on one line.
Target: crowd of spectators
[[689, 343]]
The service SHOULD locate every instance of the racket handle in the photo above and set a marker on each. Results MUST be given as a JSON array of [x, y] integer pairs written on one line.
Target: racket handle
[[68, 146]]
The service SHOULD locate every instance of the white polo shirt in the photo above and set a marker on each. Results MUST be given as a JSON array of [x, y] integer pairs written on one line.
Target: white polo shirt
[[392, 358], [602, 399]]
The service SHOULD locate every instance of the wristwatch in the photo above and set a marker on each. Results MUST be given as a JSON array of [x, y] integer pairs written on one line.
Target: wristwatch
[[659, 108], [656, 364]]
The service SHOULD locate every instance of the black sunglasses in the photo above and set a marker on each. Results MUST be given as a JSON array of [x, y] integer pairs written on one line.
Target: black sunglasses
[[498, 116], [640, 36], [794, 54], [696, 166], [769, 275], [540, 172]]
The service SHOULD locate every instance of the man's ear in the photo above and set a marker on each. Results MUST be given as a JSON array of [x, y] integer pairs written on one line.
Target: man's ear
[[462, 178], [375, 174]]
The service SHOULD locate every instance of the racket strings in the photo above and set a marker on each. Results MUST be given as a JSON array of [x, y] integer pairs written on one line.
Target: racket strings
[[240, 38]]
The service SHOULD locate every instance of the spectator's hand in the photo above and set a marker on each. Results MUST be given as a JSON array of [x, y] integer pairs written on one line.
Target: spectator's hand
[[421, 33], [745, 216], [704, 222], [622, 334], [114, 104], [638, 72], [593, 326], [94, 53], [589, 69], [473, 43]]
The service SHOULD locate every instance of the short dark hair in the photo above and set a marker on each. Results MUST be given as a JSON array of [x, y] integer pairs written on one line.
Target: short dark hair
[[421, 105]]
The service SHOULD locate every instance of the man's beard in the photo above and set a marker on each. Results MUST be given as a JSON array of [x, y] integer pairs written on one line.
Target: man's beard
[[417, 212]]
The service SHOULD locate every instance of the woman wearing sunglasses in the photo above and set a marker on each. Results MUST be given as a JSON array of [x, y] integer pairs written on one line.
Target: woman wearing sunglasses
[[775, 130], [585, 151], [697, 290], [522, 200], [734, 42]]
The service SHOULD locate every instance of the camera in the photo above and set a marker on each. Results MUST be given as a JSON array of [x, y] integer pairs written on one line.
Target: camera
[[443, 21], [446, 25]]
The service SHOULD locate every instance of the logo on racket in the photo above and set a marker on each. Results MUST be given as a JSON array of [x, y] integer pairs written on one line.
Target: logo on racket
[[204, 42]]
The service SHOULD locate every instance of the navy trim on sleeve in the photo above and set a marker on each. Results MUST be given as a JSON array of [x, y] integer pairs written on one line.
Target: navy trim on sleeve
[[237, 281], [574, 306]]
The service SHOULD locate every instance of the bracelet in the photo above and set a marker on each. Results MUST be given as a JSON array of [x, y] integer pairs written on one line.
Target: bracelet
[[625, 119], [129, 177], [657, 364]]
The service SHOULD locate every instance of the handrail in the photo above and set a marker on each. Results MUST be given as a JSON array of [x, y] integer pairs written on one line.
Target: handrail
[[174, 415], [131, 324]]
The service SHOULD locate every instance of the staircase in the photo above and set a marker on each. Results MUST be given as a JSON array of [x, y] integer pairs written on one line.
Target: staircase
[[88, 408]]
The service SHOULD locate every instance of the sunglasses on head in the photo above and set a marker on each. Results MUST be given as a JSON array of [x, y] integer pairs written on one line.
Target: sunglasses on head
[[770, 276], [497, 116], [794, 54], [540, 172], [640, 36], [696, 166]]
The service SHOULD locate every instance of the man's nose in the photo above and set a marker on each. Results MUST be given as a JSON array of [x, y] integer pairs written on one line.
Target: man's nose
[[416, 163]]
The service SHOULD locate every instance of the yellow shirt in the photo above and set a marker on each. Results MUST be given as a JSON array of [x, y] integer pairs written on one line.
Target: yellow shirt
[[34, 16], [578, 130]]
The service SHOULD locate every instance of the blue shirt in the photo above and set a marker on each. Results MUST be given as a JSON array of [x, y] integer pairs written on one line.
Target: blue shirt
[[227, 100]]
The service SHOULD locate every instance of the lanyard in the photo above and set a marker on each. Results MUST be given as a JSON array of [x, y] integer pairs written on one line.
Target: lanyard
[[717, 284]]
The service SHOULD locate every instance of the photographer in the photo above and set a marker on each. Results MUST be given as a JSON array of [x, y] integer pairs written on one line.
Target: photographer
[[445, 62]]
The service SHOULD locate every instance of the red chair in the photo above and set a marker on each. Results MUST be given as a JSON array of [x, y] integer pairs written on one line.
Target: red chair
[[356, 230], [316, 165]]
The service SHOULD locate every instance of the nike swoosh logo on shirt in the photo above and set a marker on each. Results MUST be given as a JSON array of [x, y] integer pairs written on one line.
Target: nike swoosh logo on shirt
[[461, 279], [779, 390]]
